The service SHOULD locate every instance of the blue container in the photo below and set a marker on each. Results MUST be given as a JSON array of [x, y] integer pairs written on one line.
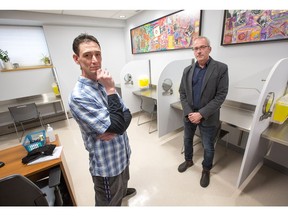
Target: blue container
[[34, 140]]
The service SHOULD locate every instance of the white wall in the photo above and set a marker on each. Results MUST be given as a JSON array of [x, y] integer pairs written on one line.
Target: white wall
[[159, 60], [60, 39], [244, 60], [247, 63], [60, 30]]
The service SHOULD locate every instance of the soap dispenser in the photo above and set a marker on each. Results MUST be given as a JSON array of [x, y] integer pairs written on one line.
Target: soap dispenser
[[50, 133]]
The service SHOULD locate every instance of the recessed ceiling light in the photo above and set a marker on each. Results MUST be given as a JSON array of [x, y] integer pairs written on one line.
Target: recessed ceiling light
[[122, 16]]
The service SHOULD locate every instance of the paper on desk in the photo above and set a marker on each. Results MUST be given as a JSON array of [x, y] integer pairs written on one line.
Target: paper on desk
[[56, 154]]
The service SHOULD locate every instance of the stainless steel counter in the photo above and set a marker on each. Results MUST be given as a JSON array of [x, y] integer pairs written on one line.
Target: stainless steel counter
[[47, 98], [277, 133], [149, 93], [238, 115]]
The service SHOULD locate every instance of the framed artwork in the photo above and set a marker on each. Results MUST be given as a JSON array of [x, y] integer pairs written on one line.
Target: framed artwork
[[172, 32], [248, 26]]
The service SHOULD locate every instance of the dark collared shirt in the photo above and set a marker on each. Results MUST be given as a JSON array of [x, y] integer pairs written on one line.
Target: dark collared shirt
[[197, 80]]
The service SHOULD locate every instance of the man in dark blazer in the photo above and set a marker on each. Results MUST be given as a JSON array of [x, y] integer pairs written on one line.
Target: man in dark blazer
[[203, 89]]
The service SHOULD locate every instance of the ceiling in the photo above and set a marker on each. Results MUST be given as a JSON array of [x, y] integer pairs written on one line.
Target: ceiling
[[109, 14]]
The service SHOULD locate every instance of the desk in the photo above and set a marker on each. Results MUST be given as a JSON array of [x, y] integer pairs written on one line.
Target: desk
[[237, 115], [149, 93], [277, 133], [12, 157]]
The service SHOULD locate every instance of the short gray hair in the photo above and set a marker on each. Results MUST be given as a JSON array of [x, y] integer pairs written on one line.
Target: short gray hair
[[202, 37]]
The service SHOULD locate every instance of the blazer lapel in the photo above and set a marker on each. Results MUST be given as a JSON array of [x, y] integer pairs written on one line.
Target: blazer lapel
[[189, 78], [208, 73]]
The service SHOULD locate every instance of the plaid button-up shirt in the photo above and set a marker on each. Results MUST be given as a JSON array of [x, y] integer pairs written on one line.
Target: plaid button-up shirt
[[88, 105]]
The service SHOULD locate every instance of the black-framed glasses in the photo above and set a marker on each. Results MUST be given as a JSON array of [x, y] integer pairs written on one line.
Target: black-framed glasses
[[199, 48]]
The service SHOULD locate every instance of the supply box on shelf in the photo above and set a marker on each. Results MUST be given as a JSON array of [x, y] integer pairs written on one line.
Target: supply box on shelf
[[280, 112]]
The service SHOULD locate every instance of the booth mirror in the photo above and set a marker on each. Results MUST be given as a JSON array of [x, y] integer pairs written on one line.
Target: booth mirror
[[167, 87], [128, 79]]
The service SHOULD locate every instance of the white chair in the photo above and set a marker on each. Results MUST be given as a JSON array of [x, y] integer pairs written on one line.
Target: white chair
[[148, 105]]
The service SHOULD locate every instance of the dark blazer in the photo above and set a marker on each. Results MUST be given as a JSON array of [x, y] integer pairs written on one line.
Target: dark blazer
[[213, 92]]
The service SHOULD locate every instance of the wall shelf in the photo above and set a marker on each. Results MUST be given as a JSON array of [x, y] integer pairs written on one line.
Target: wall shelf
[[27, 68]]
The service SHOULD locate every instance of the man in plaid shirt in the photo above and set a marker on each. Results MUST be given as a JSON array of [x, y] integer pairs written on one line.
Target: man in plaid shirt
[[103, 119]]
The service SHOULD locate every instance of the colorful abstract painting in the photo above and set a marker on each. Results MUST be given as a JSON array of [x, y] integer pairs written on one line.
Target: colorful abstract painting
[[245, 26], [175, 31]]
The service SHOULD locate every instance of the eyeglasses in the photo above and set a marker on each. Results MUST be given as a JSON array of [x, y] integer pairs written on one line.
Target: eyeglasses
[[199, 48]]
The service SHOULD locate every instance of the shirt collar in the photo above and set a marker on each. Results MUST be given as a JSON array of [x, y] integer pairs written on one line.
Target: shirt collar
[[206, 65], [88, 82]]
